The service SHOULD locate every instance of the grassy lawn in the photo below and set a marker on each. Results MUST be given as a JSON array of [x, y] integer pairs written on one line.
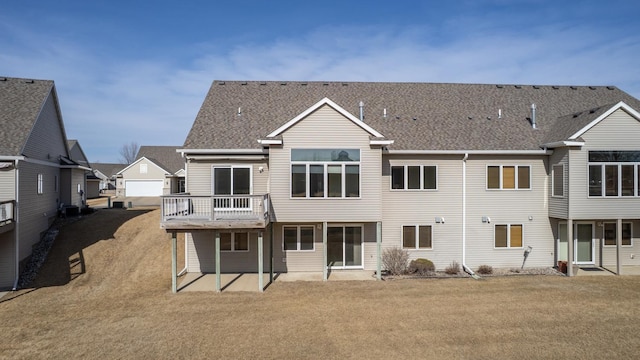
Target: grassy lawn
[[121, 306]]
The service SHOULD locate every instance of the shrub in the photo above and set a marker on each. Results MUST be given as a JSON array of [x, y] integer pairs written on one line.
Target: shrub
[[422, 267], [395, 260], [485, 270], [453, 268]]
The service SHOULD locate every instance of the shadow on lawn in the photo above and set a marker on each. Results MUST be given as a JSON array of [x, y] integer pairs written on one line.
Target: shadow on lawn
[[65, 261]]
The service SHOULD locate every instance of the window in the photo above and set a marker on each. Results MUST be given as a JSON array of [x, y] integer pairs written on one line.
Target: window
[[298, 238], [416, 237], [325, 173], [614, 173], [508, 236], [143, 168], [231, 180], [40, 184], [414, 177], [611, 232], [503, 177], [235, 241], [558, 180], [78, 188]]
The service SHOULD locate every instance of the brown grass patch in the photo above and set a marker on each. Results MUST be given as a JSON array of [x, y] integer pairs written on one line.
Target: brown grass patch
[[122, 307]]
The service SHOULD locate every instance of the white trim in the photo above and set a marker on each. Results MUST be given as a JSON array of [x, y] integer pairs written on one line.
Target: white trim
[[270, 141], [508, 247], [231, 167], [621, 105], [470, 152], [223, 151], [416, 233], [298, 227], [338, 108], [137, 161], [381, 142], [76, 167], [564, 143], [11, 158]]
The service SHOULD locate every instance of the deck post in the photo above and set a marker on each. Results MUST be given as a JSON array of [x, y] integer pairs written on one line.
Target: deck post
[[618, 244], [570, 247], [379, 249], [218, 280], [325, 267], [270, 253], [260, 262], [174, 262]]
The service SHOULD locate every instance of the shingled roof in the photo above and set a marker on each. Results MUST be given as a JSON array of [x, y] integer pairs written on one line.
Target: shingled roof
[[21, 101], [164, 156], [420, 116], [108, 169]]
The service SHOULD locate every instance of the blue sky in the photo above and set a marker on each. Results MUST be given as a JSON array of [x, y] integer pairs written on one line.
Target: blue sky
[[139, 70]]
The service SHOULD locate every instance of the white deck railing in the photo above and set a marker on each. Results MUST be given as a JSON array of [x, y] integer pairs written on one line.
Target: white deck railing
[[7, 212], [179, 207]]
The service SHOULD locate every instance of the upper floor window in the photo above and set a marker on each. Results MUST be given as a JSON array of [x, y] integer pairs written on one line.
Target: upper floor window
[[614, 173], [325, 173], [557, 179], [509, 177], [143, 168], [40, 184], [231, 180], [414, 177]]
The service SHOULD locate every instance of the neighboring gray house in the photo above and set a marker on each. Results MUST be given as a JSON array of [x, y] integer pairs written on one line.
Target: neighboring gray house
[[102, 179], [73, 173], [157, 170], [37, 172], [329, 174]]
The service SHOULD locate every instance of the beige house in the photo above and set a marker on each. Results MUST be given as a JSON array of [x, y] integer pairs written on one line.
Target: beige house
[[38, 173], [157, 170], [315, 176]]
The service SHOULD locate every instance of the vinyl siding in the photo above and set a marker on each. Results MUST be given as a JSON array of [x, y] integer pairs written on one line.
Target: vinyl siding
[[508, 207], [421, 207], [7, 259], [326, 128], [201, 254], [559, 206], [619, 131], [200, 175], [153, 172], [47, 140], [36, 211], [7, 184], [606, 255], [298, 260]]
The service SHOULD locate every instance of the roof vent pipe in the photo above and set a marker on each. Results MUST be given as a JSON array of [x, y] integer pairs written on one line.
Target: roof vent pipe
[[533, 116], [361, 111]]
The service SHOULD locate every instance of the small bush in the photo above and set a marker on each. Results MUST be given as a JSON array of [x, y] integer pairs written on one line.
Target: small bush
[[422, 267], [453, 268], [485, 270], [395, 260]]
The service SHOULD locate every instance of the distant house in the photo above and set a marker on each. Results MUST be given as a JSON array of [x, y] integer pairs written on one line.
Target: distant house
[[37, 170], [102, 179], [157, 170], [330, 174], [73, 174]]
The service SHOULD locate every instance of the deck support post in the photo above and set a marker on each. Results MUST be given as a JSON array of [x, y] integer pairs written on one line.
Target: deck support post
[[260, 262], [379, 250], [618, 244], [218, 279], [570, 247], [270, 253], [174, 262], [325, 267]]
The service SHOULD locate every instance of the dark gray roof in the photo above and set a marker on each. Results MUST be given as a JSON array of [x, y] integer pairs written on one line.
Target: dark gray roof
[[108, 169], [164, 156], [20, 103], [420, 116]]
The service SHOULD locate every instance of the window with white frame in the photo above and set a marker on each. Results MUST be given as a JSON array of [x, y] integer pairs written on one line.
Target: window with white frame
[[325, 173], [234, 241], [614, 173], [557, 180], [414, 177], [508, 177], [611, 234], [298, 238], [40, 184], [143, 168], [508, 236], [416, 237]]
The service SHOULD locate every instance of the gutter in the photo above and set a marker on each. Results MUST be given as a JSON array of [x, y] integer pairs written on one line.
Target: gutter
[[464, 218], [17, 229], [471, 152]]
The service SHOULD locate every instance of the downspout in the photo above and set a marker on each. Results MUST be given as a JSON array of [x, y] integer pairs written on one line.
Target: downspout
[[17, 228], [464, 218]]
